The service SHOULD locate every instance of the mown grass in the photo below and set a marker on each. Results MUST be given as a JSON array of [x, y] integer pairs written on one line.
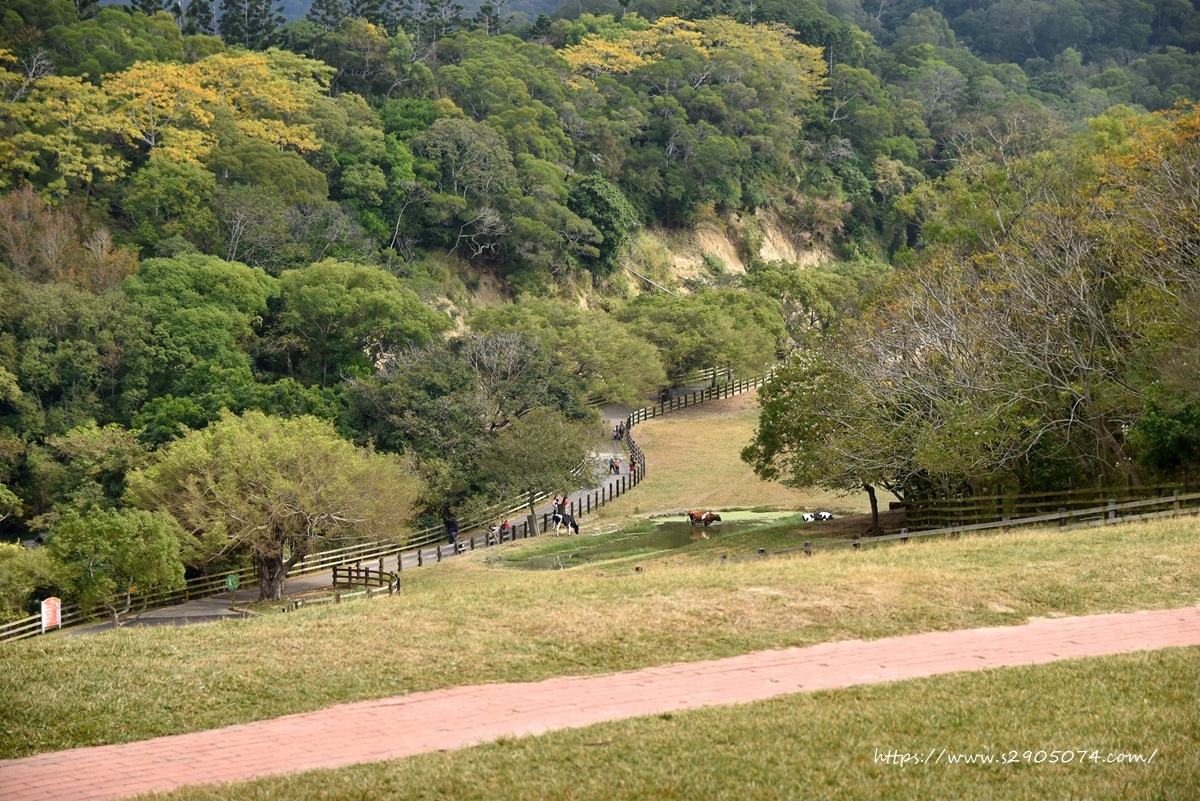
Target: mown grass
[[781, 532], [823, 745], [464, 622], [693, 462]]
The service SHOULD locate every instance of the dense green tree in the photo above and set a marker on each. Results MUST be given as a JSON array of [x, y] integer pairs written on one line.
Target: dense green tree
[[25, 574], [444, 404], [328, 14], [249, 23], [113, 40], [726, 327], [108, 556], [206, 315], [614, 364], [343, 315], [22, 21], [519, 464], [197, 19], [596, 200], [276, 490], [77, 356], [89, 465], [257, 163], [168, 199]]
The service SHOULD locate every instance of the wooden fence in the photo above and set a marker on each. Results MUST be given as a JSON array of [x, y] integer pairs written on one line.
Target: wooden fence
[[1108, 513], [941, 512], [427, 545], [355, 575], [692, 398], [713, 376], [374, 582]]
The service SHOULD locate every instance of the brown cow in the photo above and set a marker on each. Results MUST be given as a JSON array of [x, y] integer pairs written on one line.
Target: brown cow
[[697, 517]]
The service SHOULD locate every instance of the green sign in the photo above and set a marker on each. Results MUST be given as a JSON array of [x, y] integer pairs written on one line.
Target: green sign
[[232, 582]]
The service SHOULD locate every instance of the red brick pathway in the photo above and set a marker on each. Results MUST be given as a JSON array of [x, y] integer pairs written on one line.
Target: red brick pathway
[[389, 728]]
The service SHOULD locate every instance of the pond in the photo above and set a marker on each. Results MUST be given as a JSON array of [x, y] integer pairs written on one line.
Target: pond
[[665, 536]]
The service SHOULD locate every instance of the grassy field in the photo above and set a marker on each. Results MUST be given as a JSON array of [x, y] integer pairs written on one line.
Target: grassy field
[[693, 462], [466, 622], [475, 619], [823, 745]]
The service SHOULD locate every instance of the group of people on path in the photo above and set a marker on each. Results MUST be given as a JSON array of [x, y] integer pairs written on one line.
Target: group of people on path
[[501, 530], [614, 467]]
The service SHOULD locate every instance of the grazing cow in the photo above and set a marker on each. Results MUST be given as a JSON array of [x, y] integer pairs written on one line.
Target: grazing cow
[[822, 516], [816, 517], [560, 519], [702, 518]]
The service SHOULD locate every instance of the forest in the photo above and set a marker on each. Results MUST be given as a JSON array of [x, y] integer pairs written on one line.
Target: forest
[[247, 260]]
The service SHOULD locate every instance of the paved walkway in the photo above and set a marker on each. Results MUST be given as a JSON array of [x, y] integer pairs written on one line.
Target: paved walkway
[[390, 728]]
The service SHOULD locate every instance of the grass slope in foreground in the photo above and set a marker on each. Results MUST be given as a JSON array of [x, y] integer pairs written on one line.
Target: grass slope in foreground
[[823, 745], [464, 622]]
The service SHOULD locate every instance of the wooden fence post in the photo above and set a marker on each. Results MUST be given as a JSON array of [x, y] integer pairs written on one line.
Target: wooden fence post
[[1112, 509], [1062, 519], [808, 547], [420, 558], [1176, 504]]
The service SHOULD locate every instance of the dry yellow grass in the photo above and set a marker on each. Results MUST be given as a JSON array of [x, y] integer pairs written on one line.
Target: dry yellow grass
[[693, 461], [466, 622]]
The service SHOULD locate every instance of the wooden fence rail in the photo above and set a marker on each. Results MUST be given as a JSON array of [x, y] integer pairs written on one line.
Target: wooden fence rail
[[943, 512], [427, 546], [355, 575], [1109, 513]]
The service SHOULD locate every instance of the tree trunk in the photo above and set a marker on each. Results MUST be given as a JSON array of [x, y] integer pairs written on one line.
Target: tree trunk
[[271, 573], [875, 529]]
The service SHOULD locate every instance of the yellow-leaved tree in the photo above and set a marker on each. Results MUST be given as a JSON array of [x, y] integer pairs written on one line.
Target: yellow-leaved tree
[[712, 51], [163, 105], [168, 108], [56, 131]]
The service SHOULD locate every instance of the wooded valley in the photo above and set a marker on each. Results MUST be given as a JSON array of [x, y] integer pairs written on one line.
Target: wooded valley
[[316, 277]]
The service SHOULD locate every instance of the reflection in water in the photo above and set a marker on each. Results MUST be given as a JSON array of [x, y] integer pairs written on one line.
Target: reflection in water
[[664, 537]]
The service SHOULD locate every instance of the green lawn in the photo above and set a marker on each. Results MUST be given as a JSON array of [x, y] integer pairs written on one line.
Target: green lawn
[[824, 745], [466, 622]]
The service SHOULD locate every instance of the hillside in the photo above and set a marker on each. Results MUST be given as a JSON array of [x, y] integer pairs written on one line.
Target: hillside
[[427, 240]]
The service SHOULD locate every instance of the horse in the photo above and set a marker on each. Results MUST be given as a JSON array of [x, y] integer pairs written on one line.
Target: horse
[[560, 519], [697, 517]]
